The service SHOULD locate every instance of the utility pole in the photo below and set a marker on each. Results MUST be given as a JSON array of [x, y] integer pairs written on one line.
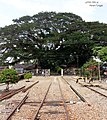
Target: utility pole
[[99, 75]]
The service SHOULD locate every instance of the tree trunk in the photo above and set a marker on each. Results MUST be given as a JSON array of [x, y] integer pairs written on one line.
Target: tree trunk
[[7, 87]]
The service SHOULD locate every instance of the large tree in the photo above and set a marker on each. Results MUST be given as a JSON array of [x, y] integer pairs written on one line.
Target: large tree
[[53, 39]]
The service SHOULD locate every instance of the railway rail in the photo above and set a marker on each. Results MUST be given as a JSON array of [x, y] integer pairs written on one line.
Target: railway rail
[[37, 115], [43, 102], [51, 101], [64, 103], [76, 92], [24, 90], [90, 87], [13, 92], [19, 103], [99, 86], [18, 106], [97, 92]]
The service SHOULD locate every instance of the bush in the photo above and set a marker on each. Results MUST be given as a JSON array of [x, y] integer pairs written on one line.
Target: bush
[[28, 76], [8, 76]]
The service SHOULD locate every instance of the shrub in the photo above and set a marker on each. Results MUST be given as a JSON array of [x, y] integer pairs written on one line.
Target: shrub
[[8, 76], [28, 76]]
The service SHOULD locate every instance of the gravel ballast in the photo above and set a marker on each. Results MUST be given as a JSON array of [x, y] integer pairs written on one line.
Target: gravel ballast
[[93, 109]]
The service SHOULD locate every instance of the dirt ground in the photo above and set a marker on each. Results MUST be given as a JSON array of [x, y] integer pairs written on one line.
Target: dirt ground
[[93, 109]]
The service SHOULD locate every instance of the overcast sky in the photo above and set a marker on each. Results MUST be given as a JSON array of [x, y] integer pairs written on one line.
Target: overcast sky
[[89, 10]]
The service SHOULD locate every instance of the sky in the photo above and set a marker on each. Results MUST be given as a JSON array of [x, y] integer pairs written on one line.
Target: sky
[[89, 10]]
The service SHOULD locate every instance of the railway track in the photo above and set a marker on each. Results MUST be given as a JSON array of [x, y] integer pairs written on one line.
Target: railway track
[[64, 103], [35, 117], [91, 87], [96, 101], [76, 92], [58, 105], [17, 105], [24, 90], [97, 92], [50, 101], [98, 86], [11, 93], [97, 89]]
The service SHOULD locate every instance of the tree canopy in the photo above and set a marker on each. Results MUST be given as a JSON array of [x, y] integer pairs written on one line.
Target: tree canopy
[[50, 39]]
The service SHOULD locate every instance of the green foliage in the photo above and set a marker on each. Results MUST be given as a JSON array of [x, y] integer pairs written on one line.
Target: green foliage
[[8, 75], [90, 68], [90, 63], [28, 75], [86, 73], [102, 53], [96, 50], [54, 39], [98, 32]]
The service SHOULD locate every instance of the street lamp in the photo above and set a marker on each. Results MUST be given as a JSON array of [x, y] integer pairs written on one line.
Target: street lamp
[[99, 61]]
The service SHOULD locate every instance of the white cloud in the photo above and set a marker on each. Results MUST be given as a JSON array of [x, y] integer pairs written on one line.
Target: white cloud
[[5, 20], [102, 1], [26, 6], [19, 8], [80, 8]]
